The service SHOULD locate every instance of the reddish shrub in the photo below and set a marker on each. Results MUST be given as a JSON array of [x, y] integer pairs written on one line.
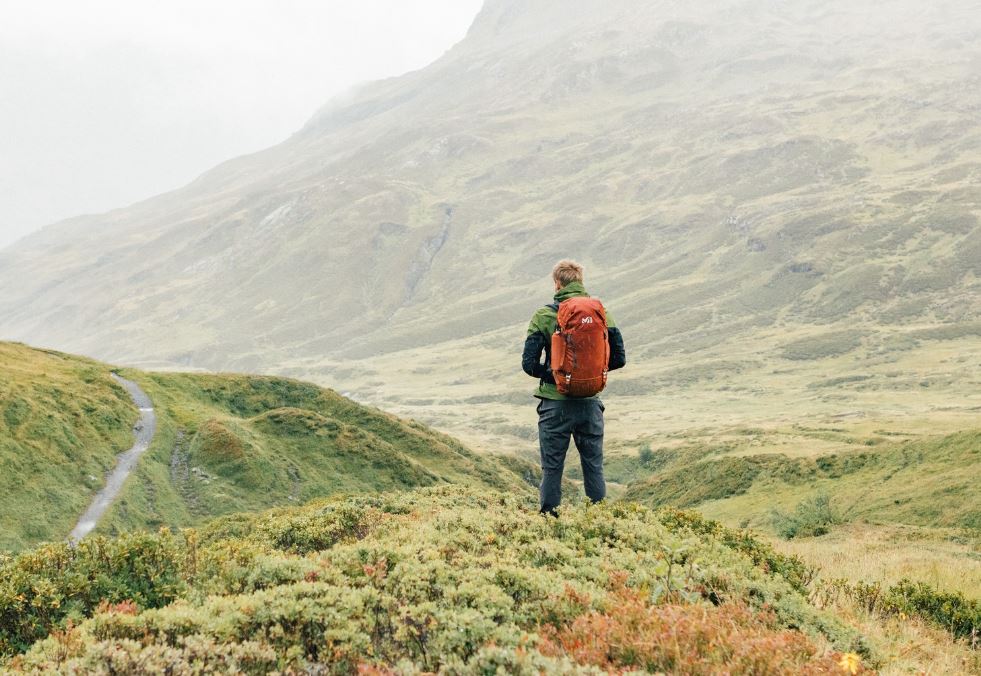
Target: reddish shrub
[[121, 608], [630, 633]]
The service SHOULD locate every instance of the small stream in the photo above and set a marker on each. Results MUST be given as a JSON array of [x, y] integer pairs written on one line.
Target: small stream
[[125, 462]]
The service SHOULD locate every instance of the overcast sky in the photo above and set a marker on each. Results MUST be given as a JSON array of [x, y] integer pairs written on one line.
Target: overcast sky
[[106, 102]]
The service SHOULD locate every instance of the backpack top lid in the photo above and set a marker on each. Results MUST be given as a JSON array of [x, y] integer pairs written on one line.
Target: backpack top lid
[[581, 313]]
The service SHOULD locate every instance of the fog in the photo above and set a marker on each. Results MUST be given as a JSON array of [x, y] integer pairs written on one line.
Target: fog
[[107, 102]]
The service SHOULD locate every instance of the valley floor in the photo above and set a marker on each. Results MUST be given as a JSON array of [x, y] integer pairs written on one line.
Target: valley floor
[[860, 500]]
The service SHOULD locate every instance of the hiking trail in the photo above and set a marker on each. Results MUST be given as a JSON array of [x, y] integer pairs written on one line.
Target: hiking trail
[[125, 462]]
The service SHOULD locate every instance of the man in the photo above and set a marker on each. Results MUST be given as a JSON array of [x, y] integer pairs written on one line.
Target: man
[[562, 417]]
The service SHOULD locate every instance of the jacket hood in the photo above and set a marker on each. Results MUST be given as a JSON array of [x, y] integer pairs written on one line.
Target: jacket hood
[[572, 290]]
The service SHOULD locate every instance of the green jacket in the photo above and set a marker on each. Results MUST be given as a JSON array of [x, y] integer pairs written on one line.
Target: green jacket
[[539, 341]]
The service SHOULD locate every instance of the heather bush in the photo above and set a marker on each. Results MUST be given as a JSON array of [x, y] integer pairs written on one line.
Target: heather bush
[[632, 633], [241, 566], [313, 531], [41, 588], [446, 578], [194, 655], [791, 568]]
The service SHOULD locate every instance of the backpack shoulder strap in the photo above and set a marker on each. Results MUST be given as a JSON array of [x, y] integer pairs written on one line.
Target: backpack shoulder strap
[[553, 306]]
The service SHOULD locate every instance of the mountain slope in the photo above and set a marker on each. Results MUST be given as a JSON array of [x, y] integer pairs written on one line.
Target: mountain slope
[[738, 177], [223, 444]]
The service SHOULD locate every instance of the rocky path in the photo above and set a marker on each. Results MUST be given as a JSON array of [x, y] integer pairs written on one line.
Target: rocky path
[[125, 463]]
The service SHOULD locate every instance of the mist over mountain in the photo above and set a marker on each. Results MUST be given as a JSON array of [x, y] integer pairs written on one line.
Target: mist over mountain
[[728, 173], [115, 101]]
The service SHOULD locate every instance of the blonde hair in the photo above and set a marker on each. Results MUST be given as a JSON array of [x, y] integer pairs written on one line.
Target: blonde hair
[[566, 272]]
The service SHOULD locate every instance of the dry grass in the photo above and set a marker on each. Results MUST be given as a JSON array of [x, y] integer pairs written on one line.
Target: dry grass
[[947, 559], [910, 645]]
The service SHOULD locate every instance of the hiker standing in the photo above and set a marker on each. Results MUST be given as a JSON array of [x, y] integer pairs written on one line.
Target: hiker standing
[[581, 343]]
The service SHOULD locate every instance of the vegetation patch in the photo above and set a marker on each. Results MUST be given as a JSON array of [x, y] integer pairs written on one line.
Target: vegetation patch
[[949, 331], [823, 346], [629, 632], [445, 579], [929, 482], [812, 517], [948, 610], [791, 568], [298, 421], [839, 381], [690, 484], [42, 589], [216, 444]]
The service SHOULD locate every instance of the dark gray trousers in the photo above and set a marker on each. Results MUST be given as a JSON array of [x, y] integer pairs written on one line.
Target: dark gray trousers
[[558, 423]]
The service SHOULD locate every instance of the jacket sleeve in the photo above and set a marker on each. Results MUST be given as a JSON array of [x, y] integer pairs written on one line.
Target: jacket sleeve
[[618, 354], [531, 358]]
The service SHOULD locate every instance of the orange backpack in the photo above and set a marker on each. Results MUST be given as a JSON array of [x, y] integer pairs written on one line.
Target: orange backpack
[[580, 348]]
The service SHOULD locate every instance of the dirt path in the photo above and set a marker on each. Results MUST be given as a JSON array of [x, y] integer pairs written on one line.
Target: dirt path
[[125, 462]]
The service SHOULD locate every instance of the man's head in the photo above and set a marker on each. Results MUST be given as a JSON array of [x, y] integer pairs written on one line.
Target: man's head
[[566, 272]]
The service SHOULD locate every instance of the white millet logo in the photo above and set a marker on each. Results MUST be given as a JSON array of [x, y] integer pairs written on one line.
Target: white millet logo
[[587, 320]]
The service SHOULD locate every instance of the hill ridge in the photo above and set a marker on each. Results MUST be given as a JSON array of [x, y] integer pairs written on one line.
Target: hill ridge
[[210, 445]]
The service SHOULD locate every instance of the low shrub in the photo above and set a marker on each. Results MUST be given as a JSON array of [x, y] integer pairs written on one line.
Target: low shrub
[[791, 568], [190, 655], [42, 588], [318, 530], [952, 611], [629, 633], [812, 517]]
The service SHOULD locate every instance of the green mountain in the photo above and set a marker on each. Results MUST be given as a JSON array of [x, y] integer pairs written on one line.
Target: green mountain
[[770, 195], [223, 444]]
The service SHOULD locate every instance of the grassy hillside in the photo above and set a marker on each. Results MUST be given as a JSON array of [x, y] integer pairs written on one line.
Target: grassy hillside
[[449, 578], [930, 482], [231, 443], [464, 578], [888, 511], [62, 422], [224, 443]]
